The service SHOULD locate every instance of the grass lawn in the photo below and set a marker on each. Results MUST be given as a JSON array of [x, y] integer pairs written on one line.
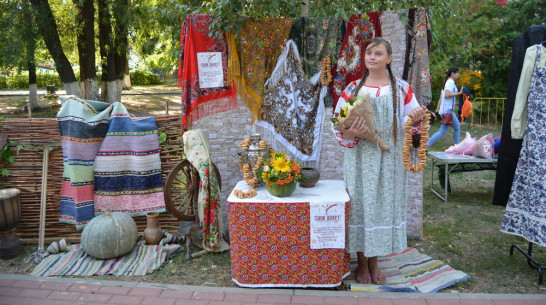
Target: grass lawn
[[464, 233]]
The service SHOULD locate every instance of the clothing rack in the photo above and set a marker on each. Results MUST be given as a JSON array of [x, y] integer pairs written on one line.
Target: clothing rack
[[530, 260]]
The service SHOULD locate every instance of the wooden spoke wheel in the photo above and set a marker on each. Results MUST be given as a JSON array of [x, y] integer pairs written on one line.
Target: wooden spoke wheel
[[182, 190]]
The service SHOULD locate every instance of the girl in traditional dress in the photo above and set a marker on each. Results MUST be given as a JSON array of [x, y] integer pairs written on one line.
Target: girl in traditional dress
[[376, 179]]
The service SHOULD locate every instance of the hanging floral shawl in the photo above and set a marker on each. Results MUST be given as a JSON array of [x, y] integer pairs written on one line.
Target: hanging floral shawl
[[258, 46], [419, 70], [291, 107], [350, 65], [200, 96], [196, 149], [317, 38]]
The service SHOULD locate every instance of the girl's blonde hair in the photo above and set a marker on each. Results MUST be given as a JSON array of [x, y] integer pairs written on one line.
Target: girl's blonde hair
[[372, 43]]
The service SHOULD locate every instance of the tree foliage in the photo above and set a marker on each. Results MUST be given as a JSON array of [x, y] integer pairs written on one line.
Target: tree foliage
[[491, 32]]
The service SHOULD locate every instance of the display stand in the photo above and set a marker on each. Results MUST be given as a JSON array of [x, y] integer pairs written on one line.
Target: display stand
[[530, 260]]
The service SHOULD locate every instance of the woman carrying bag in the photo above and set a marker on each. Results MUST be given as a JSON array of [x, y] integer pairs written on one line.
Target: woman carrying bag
[[446, 108]]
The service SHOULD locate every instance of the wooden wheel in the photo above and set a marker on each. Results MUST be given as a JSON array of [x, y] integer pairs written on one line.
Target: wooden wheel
[[182, 190]]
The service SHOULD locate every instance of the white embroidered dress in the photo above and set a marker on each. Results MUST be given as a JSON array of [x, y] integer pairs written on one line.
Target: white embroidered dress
[[376, 179]]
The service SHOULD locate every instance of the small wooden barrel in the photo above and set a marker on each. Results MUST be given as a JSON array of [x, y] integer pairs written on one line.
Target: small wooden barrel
[[10, 209], [10, 214]]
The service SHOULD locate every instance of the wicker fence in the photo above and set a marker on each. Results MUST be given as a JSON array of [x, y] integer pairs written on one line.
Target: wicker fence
[[28, 139]]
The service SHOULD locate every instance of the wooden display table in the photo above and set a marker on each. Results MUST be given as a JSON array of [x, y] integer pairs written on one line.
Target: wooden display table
[[270, 239]]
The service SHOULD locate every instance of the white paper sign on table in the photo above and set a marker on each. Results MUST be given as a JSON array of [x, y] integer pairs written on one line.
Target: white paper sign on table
[[327, 225], [211, 74]]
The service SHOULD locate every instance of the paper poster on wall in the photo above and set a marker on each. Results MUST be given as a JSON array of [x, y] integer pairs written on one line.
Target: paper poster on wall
[[327, 225], [211, 74]]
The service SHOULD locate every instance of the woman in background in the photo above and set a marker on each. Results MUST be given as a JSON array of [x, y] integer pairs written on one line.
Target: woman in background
[[447, 105]]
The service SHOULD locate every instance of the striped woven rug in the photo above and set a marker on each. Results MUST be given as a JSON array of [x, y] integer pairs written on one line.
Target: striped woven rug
[[410, 271], [141, 261]]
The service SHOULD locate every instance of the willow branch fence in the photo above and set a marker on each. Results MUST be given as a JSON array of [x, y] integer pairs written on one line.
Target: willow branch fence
[[28, 138]]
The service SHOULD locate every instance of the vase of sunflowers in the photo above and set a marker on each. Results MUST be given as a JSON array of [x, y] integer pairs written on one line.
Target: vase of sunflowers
[[280, 174]]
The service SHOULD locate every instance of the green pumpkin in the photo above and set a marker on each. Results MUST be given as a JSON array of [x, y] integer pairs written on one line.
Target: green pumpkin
[[109, 235], [281, 190]]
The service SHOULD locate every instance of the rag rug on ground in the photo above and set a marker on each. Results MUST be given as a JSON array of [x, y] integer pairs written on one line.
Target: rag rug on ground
[[410, 271], [142, 260]]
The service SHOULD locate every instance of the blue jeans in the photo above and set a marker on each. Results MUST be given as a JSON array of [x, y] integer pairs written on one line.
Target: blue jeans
[[443, 130]]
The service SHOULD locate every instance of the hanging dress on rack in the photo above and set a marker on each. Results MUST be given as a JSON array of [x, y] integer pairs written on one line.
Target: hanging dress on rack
[[526, 208]]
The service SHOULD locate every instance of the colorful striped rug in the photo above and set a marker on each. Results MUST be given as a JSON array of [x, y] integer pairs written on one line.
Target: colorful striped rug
[[410, 271], [83, 125], [141, 261], [127, 168]]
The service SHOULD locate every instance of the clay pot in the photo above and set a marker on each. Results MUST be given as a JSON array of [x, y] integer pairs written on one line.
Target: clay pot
[[152, 233], [312, 174]]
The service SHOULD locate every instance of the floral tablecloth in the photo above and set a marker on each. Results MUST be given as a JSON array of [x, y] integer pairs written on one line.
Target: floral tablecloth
[[270, 239]]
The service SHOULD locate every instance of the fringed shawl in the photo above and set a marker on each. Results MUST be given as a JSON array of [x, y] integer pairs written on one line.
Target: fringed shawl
[[317, 38], [200, 102], [292, 110], [350, 66], [258, 46]]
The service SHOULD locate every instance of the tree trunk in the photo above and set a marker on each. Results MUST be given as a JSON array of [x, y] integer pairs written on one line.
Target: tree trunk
[[48, 29], [85, 19], [31, 62], [121, 19], [109, 87], [127, 79]]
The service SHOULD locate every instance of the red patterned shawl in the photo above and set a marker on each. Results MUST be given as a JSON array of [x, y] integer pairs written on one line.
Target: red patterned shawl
[[197, 102], [350, 65]]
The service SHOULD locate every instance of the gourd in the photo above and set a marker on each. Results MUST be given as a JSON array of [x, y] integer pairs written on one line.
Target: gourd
[[109, 235]]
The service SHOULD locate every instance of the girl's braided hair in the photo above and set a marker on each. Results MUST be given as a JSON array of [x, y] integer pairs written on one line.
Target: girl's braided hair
[[372, 43]]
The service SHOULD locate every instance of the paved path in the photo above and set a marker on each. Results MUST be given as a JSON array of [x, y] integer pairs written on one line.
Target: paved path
[[24, 289], [13, 93]]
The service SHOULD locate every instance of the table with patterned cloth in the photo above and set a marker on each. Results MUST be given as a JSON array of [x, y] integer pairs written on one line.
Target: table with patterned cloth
[[270, 238]]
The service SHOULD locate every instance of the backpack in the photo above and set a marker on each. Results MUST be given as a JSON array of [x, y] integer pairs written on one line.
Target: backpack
[[467, 108]]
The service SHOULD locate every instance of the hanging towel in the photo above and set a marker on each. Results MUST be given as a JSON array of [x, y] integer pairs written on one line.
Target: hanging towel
[[258, 45], [210, 213], [351, 66], [292, 110], [127, 167], [83, 125], [199, 101]]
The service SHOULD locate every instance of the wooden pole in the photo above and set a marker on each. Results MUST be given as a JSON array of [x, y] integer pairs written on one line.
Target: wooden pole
[[43, 199]]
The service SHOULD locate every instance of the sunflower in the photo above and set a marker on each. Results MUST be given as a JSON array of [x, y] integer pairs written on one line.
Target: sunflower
[[281, 165]]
